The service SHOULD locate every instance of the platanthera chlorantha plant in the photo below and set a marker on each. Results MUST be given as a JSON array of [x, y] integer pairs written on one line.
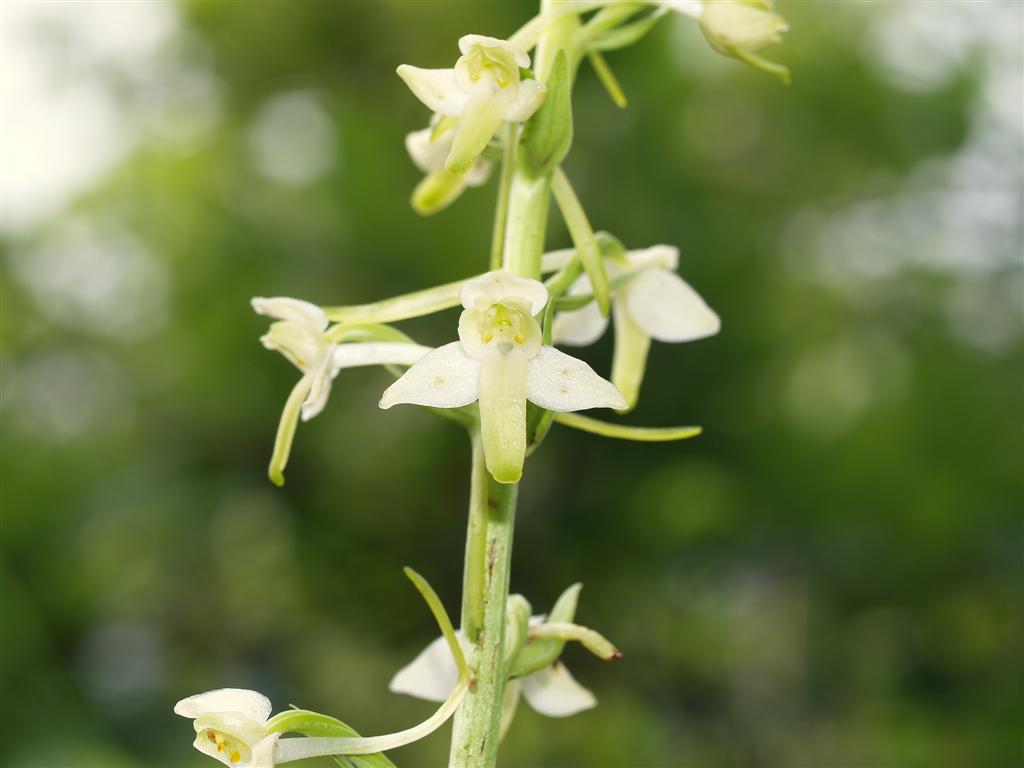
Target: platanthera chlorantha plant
[[506, 106]]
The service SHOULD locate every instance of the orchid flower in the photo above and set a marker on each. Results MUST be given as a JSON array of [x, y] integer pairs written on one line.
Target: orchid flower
[[500, 360], [651, 302], [231, 726], [551, 691], [741, 28], [483, 89], [299, 335], [440, 187]]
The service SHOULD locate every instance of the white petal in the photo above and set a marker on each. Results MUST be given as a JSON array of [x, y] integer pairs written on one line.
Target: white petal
[[493, 287], [251, 704], [428, 154], [579, 327], [319, 389], [529, 97], [264, 753], [432, 675], [466, 42], [664, 256], [479, 172], [296, 310], [436, 88], [629, 361], [559, 382], [552, 261], [668, 309], [444, 378], [552, 691], [503, 380], [377, 353], [694, 8], [480, 120]]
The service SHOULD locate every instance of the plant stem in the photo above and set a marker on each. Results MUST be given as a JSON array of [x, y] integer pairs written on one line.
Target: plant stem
[[476, 731], [477, 727], [510, 133]]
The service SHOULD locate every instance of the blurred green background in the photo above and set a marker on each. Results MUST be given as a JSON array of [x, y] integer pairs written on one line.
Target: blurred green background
[[830, 576]]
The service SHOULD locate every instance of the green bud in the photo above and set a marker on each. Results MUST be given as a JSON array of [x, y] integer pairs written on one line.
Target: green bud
[[548, 135]]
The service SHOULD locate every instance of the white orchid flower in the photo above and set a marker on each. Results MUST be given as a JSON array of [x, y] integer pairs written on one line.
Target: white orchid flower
[[299, 335], [428, 149], [500, 360], [483, 89], [653, 303], [551, 691], [741, 28], [231, 726]]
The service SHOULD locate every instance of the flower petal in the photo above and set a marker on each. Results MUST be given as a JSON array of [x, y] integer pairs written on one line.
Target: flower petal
[[251, 704], [493, 287], [552, 261], [503, 385], [436, 88], [480, 119], [694, 8], [466, 43], [286, 429], [629, 361], [426, 152], [296, 310], [668, 309], [580, 327], [432, 675], [560, 382], [664, 256], [444, 378], [319, 389], [552, 691], [528, 99], [377, 353]]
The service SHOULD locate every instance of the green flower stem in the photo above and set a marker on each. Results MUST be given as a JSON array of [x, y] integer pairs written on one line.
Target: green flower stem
[[488, 558]]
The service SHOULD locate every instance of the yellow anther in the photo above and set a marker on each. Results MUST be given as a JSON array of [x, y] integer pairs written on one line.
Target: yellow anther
[[488, 337], [519, 339], [236, 756]]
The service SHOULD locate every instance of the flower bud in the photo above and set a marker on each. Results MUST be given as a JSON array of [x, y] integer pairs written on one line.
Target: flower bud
[[741, 28]]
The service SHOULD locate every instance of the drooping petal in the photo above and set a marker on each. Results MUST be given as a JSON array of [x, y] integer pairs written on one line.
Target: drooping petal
[[376, 353], [528, 99], [629, 361], [552, 691], [663, 256], [560, 382], [251, 704], [438, 190], [509, 705], [436, 88], [427, 152], [668, 309], [431, 675], [503, 413], [319, 389], [444, 378], [481, 117], [296, 310], [286, 429], [493, 287]]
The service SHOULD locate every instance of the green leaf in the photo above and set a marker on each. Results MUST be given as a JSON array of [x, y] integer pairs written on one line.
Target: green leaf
[[624, 432], [547, 136]]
